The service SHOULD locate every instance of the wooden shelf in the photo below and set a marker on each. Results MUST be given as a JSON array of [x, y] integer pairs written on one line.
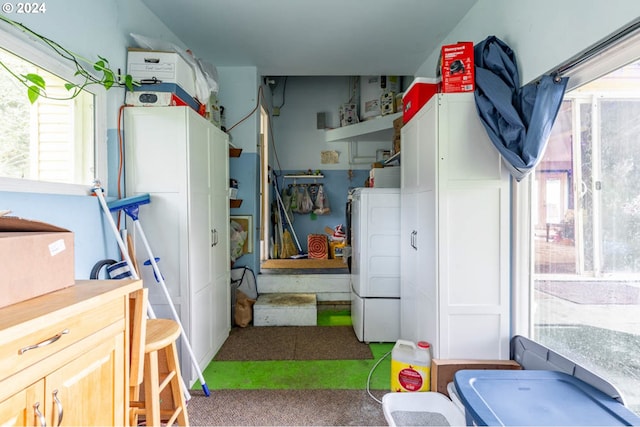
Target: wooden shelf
[[235, 203], [235, 152], [307, 176], [373, 129]]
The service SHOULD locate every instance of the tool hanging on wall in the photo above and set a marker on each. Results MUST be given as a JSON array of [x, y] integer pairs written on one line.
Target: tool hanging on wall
[[282, 211]]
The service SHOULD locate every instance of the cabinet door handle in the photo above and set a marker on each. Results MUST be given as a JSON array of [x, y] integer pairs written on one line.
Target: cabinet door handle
[[214, 237], [37, 413], [414, 239], [43, 343], [58, 406]]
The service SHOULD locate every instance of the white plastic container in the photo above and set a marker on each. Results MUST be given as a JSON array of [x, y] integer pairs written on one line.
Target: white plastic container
[[411, 366], [421, 409]]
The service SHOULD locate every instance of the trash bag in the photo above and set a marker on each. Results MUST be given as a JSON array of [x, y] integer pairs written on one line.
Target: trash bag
[[294, 200], [244, 279], [321, 206], [243, 313], [306, 205], [237, 237]]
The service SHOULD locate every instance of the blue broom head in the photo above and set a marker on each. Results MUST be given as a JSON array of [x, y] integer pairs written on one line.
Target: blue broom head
[[129, 202]]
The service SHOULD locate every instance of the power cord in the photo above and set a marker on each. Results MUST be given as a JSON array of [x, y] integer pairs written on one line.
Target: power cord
[[373, 368]]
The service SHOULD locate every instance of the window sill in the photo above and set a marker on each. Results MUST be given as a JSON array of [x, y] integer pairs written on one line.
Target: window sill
[[29, 186]]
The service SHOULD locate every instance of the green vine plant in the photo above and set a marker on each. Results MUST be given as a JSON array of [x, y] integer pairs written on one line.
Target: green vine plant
[[36, 85]]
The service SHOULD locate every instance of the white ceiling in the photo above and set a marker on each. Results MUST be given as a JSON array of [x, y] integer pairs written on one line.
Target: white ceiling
[[313, 37]]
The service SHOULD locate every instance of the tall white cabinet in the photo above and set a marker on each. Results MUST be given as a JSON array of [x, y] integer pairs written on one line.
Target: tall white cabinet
[[455, 233], [182, 161]]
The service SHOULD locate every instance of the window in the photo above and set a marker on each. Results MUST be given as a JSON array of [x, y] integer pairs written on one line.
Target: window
[[48, 146], [585, 222]]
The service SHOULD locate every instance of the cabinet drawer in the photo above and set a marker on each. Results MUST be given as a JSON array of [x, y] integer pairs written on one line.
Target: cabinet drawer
[[54, 333]]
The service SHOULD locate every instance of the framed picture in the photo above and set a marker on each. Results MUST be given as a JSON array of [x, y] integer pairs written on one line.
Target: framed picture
[[246, 222]]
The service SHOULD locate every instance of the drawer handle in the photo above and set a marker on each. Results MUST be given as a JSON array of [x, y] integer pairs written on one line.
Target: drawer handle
[[58, 406], [37, 413], [43, 343]]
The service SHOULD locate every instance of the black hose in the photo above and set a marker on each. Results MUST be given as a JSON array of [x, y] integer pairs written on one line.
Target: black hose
[[95, 271]]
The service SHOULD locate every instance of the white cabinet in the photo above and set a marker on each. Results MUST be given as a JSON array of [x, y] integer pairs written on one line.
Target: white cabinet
[[455, 233], [182, 161]]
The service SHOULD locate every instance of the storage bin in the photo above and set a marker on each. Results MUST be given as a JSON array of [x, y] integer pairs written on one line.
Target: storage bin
[[419, 92], [166, 67]]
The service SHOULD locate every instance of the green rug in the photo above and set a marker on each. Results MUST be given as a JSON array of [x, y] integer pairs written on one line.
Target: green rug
[[334, 318], [305, 374]]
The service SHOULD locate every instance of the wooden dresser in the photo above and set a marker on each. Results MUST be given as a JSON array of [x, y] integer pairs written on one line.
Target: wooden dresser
[[65, 355]]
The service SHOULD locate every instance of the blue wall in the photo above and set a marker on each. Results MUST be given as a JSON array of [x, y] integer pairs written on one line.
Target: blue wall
[[93, 238], [336, 184], [81, 214]]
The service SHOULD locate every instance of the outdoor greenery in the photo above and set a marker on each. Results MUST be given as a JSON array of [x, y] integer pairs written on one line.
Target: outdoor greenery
[[14, 127], [98, 72]]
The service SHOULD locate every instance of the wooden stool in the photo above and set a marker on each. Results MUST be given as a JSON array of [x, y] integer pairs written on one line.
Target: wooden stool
[[162, 335], [160, 343]]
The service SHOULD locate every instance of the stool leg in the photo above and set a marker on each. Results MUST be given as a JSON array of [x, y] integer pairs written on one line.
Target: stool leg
[[176, 384], [151, 389]]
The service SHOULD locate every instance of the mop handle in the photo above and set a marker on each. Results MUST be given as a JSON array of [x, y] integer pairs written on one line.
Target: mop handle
[[160, 279], [121, 245], [123, 249], [125, 252]]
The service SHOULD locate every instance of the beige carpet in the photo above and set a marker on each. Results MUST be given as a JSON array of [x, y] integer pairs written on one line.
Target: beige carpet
[[293, 343], [286, 408]]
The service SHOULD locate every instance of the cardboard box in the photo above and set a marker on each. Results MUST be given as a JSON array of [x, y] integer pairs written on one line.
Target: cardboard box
[[443, 370], [457, 67], [417, 94], [372, 88], [166, 67], [397, 125], [36, 258], [398, 101], [388, 177], [397, 143], [388, 103], [348, 114]]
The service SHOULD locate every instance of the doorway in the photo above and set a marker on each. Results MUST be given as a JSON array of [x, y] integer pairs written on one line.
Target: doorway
[[265, 195]]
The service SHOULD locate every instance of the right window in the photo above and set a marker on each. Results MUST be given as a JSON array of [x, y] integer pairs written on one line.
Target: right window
[[586, 231]]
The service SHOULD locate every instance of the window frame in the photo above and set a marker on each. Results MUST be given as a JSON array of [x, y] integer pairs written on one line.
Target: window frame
[[617, 55], [27, 48]]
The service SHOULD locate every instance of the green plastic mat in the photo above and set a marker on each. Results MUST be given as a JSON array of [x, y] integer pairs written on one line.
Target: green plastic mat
[[302, 374], [305, 374], [334, 318]]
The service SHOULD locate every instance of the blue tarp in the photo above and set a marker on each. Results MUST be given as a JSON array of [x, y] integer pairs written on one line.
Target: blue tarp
[[517, 119]]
